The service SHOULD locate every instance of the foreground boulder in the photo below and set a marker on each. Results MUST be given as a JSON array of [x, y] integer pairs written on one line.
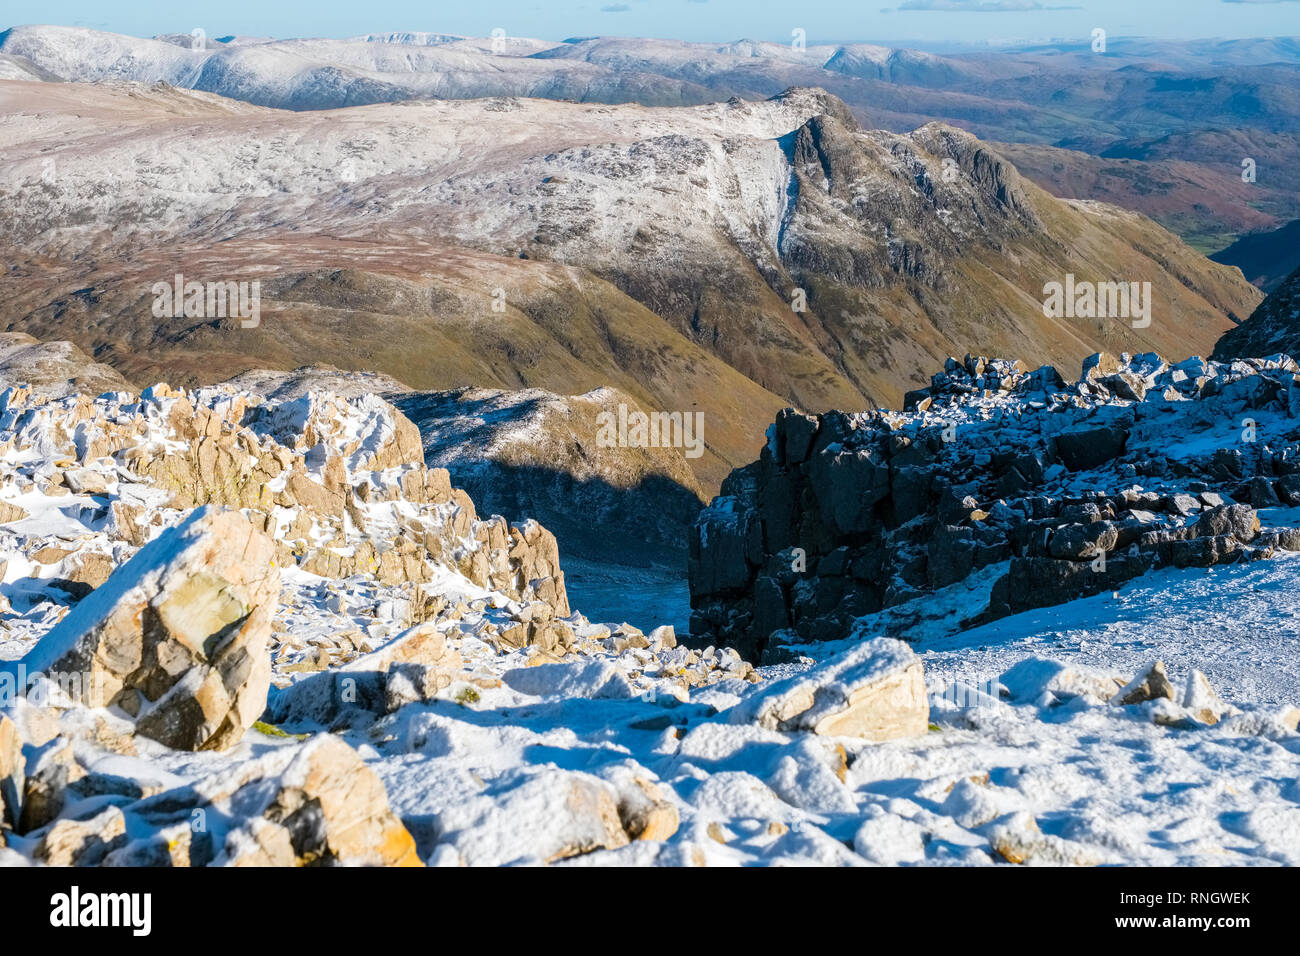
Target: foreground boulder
[[178, 636], [82, 842], [875, 691], [325, 806], [309, 804]]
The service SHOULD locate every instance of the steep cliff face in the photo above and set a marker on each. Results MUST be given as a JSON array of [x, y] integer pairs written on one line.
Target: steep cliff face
[[1000, 490], [1271, 329]]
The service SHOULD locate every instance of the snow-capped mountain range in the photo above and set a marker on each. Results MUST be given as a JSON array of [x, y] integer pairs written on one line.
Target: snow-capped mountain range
[[778, 251], [1180, 115]]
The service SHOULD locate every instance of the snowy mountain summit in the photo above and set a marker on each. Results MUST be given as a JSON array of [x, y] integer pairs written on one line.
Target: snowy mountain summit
[[261, 611]]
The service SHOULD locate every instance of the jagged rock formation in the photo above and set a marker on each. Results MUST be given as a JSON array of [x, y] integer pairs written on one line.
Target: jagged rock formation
[[1006, 486], [1272, 328], [183, 563], [339, 484]]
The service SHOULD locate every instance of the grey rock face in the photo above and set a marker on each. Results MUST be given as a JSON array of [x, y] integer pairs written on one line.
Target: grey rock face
[[1069, 490]]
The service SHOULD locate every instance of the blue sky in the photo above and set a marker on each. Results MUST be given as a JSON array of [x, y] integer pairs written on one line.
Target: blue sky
[[933, 22]]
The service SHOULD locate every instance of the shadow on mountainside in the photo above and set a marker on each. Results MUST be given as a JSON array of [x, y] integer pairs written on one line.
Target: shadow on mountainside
[[592, 519], [622, 550]]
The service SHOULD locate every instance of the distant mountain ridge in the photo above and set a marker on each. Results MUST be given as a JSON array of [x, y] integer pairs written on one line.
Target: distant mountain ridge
[[1210, 102], [738, 255], [1044, 95]]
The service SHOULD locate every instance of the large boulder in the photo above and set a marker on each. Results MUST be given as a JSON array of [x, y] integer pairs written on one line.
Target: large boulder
[[82, 842], [1083, 448], [533, 816], [178, 635], [309, 804], [875, 691], [322, 806]]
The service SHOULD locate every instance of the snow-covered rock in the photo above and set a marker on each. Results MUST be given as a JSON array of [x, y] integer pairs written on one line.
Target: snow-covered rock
[[322, 805], [875, 691], [55, 369], [178, 636], [534, 817], [594, 679]]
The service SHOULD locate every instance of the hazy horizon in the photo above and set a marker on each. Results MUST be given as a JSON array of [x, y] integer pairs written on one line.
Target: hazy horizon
[[925, 23]]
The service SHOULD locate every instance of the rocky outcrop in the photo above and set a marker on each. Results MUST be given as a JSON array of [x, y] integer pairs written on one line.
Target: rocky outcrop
[[339, 485], [178, 636], [55, 369], [1059, 491]]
